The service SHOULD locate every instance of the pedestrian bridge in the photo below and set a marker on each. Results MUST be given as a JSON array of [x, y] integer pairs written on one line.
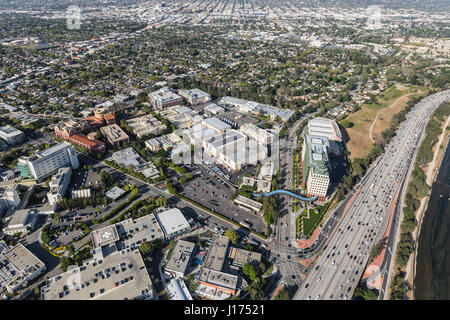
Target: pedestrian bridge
[[289, 193]]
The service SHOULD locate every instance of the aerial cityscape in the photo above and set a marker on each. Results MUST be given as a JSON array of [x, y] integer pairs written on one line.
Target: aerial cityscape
[[209, 150]]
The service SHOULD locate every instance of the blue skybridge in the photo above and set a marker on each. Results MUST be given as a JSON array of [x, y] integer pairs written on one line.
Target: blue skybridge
[[289, 193]]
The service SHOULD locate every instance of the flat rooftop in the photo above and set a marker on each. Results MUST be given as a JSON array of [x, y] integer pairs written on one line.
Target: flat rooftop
[[114, 133], [217, 253], [121, 275], [241, 257], [104, 236], [172, 221], [10, 131], [216, 124], [16, 260], [56, 148], [127, 157], [114, 193], [180, 257], [133, 232], [217, 278]]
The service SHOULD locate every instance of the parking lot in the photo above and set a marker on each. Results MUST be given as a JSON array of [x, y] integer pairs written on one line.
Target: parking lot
[[86, 178], [210, 191]]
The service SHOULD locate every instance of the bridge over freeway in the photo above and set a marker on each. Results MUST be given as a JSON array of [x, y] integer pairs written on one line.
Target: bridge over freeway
[[289, 193]]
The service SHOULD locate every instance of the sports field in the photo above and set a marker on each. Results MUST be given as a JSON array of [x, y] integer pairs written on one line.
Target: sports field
[[373, 119]]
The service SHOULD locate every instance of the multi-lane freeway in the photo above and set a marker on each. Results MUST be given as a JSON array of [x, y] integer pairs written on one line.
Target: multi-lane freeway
[[339, 266]]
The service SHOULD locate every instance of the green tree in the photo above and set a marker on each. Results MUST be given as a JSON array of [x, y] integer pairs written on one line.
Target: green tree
[[365, 294], [145, 247], [249, 271], [232, 235], [283, 295]]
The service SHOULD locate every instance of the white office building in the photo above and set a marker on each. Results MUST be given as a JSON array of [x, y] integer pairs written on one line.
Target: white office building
[[11, 135], [22, 221], [214, 109], [9, 199], [58, 185], [48, 161], [18, 266], [172, 222], [195, 96], [164, 98], [256, 133], [177, 290], [317, 184]]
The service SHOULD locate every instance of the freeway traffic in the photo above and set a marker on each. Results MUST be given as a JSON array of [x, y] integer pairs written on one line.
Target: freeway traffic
[[338, 268]]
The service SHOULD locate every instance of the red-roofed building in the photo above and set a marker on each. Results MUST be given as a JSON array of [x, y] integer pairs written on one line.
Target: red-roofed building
[[91, 145], [100, 119], [72, 131]]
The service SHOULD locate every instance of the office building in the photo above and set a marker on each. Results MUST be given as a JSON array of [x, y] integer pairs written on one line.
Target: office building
[[214, 109], [10, 198], [114, 134], [261, 185], [228, 140], [46, 162], [18, 266], [181, 116], [318, 182], [256, 133], [240, 257], [145, 125], [195, 96], [11, 135], [22, 221], [179, 261], [153, 145], [216, 285], [217, 253], [58, 185], [114, 193], [172, 222], [236, 156], [266, 171], [177, 290], [164, 98], [129, 157], [316, 166], [255, 108], [125, 235]]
